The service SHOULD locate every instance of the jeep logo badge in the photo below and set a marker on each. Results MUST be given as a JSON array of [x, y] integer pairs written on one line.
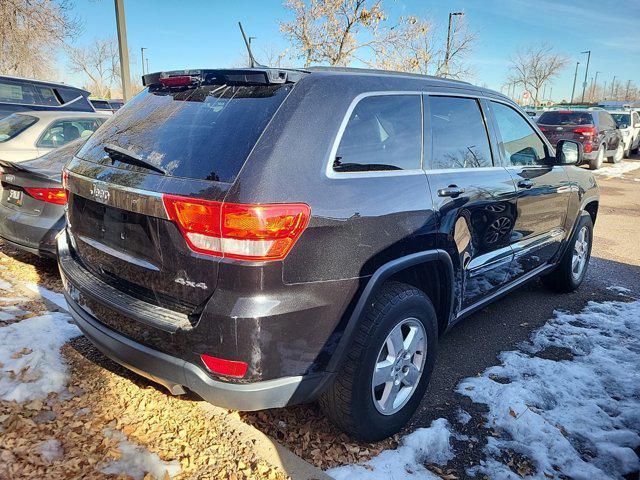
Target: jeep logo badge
[[100, 194]]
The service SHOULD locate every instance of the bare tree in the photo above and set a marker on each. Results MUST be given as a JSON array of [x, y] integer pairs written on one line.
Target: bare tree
[[534, 66], [30, 30], [419, 47], [335, 32], [100, 64]]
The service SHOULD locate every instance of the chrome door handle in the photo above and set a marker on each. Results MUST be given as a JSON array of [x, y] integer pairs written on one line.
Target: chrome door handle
[[526, 183], [451, 191]]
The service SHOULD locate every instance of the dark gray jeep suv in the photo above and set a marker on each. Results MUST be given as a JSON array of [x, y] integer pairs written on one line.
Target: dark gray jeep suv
[[266, 237]]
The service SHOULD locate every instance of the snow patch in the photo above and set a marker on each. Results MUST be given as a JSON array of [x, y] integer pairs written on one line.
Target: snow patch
[[136, 461], [574, 418], [4, 285], [56, 298], [50, 450], [425, 445], [619, 290], [30, 363], [462, 416], [617, 170]]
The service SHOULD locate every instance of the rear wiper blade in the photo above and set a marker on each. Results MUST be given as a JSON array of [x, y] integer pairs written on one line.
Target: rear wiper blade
[[125, 156]]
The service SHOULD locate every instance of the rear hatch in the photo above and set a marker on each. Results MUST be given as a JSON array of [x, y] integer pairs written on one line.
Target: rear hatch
[[566, 124], [188, 134]]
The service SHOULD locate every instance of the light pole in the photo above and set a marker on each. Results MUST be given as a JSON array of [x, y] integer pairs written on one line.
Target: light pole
[[142, 49], [249, 39], [448, 50], [575, 77], [584, 84], [147, 59], [593, 87], [613, 83], [124, 50]]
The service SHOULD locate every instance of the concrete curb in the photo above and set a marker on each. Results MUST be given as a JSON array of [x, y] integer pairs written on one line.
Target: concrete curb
[[268, 448]]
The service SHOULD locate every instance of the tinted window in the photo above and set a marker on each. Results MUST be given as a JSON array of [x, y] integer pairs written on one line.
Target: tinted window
[[47, 96], [205, 132], [64, 131], [15, 124], [565, 118], [101, 105], [459, 135], [14, 92], [519, 141], [623, 120], [607, 120], [383, 133]]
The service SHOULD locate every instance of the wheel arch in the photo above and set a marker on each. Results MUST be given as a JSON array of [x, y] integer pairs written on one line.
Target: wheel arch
[[408, 269]]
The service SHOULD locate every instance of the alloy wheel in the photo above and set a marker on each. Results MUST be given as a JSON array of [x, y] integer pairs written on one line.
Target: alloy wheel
[[580, 254], [399, 366]]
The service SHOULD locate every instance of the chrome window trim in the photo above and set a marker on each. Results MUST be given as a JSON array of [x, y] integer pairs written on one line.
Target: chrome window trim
[[330, 173]]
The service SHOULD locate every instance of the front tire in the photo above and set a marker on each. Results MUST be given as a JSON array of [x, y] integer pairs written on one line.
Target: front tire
[[388, 366], [618, 154], [596, 162], [570, 272]]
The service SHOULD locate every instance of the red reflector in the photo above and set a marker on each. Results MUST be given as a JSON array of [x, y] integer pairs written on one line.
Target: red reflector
[[179, 81], [65, 179], [542, 129], [49, 195], [588, 148], [229, 368], [586, 131], [240, 231]]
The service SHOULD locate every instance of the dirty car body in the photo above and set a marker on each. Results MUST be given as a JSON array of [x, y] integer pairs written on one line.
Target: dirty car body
[[249, 328]]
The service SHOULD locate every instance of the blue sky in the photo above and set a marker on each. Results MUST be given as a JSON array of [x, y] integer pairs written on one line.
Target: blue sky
[[204, 33]]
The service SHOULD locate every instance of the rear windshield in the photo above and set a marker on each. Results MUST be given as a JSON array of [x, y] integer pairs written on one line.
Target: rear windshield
[[623, 120], [204, 133], [14, 124], [566, 118]]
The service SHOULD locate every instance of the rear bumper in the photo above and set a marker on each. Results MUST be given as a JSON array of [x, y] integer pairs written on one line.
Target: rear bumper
[[93, 304], [175, 373], [34, 234]]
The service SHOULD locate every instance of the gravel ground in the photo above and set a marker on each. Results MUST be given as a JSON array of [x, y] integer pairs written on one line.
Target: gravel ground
[[102, 395]]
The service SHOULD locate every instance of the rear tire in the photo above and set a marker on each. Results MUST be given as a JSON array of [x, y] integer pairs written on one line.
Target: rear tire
[[366, 411], [596, 163], [570, 272]]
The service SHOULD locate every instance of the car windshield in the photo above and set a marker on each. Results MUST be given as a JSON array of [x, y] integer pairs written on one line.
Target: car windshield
[[15, 124], [623, 120], [566, 118]]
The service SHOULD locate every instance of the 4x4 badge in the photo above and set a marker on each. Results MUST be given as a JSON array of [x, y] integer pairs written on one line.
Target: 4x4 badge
[[189, 283]]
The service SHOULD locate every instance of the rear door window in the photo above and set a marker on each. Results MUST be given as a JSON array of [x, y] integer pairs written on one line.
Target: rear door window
[[205, 132], [384, 132], [15, 124], [458, 134], [566, 118], [62, 132]]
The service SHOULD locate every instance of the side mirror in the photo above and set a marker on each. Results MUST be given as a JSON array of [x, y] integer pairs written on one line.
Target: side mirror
[[569, 152]]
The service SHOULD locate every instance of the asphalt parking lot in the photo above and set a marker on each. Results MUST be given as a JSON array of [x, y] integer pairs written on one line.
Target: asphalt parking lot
[[466, 351]]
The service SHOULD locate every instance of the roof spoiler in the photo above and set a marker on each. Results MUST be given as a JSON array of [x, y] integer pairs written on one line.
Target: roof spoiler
[[238, 76]]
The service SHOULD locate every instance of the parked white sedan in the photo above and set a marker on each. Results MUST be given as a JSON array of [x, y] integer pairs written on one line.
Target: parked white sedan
[[628, 122], [31, 134]]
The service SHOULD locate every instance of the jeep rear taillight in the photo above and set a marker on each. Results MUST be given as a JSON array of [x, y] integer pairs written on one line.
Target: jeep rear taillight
[[240, 231], [586, 131], [49, 195]]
